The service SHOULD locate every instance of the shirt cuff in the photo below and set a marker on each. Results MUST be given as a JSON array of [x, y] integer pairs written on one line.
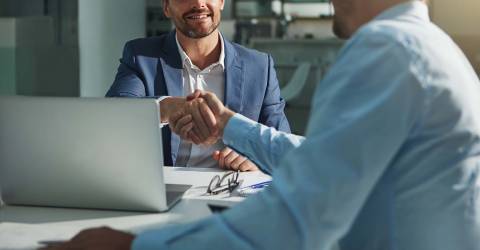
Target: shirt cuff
[[162, 124], [237, 131]]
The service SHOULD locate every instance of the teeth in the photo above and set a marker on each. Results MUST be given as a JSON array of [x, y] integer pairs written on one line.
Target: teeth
[[198, 17]]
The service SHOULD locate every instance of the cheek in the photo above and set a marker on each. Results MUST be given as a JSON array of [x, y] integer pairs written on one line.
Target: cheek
[[216, 4]]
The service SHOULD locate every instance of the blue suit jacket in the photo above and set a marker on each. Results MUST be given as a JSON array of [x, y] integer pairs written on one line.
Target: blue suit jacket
[[152, 67]]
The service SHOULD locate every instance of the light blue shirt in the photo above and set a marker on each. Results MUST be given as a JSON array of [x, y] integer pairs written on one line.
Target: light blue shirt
[[390, 160]]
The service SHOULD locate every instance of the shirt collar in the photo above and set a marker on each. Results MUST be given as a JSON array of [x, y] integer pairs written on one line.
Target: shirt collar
[[186, 59], [412, 8]]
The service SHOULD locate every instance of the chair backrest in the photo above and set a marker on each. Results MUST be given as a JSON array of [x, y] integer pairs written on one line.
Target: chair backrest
[[298, 81]]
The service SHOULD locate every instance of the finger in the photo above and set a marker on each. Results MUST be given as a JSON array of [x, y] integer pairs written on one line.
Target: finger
[[248, 166], [185, 131], [196, 131], [177, 127], [224, 153], [231, 157], [175, 117], [237, 163], [193, 136], [181, 123], [208, 117], [202, 128], [87, 233], [83, 234], [194, 95], [189, 108], [216, 155], [213, 102]]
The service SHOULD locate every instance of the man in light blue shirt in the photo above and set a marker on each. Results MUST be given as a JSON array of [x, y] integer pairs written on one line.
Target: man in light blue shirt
[[391, 158]]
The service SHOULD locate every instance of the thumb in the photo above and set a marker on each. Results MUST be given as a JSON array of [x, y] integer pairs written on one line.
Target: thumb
[[216, 155], [213, 102], [194, 95]]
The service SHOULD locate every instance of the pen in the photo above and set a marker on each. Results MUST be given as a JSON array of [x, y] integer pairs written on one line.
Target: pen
[[258, 185], [252, 189]]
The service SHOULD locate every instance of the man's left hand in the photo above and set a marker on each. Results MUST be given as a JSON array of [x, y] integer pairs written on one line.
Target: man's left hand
[[229, 159], [97, 239]]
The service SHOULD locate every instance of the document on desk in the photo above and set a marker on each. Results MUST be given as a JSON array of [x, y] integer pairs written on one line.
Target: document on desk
[[200, 178], [18, 236]]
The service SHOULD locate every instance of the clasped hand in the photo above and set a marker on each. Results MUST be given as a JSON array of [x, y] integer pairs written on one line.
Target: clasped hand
[[201, 121], [197, 121]]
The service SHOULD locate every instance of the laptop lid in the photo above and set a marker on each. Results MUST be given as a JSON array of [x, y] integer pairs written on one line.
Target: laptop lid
[[81, 152]]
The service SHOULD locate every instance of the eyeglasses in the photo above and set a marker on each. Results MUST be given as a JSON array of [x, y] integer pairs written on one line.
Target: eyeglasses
[[229, 181]]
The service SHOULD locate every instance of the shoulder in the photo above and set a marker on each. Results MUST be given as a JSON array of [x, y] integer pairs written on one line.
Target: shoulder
[[395, 40], [151, 46], [247, 54], [407, 35]]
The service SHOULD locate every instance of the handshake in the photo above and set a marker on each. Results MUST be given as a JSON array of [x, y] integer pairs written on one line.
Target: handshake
[[200, 119]]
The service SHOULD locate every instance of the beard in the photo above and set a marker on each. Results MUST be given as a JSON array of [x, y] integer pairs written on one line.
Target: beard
[[196, 32], [340, 29], [344, 10]]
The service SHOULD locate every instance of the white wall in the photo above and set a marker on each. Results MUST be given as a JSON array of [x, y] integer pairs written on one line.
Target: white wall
[[457, 17], [104, 27], [460, 19]]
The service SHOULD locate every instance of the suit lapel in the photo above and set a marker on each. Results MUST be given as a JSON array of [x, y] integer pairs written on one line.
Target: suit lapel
[[172, 72], [234, 77], [172, 66]]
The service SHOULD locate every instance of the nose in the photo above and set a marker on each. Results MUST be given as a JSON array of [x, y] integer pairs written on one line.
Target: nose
[[199, 4]]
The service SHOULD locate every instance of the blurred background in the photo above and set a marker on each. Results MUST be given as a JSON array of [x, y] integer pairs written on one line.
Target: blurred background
[[72, 47]]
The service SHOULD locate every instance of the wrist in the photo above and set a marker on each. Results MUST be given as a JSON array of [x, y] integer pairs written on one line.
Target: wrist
[[223, 120]]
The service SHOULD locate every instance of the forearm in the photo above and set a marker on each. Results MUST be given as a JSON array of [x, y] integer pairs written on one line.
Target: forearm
[[263, 145], [233, 228]]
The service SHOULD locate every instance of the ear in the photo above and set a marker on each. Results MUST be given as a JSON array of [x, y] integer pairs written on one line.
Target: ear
[[222, 4], [166, 10]]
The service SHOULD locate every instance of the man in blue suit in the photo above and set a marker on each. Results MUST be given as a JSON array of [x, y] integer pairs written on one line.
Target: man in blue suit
[[196, 56]]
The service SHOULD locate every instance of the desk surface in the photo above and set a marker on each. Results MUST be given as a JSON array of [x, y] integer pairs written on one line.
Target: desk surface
[[22, 227]]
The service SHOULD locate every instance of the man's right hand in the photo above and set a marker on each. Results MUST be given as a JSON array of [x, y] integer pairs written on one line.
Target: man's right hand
[[195, 122], [204, 119], [222, 114], [170, 106]]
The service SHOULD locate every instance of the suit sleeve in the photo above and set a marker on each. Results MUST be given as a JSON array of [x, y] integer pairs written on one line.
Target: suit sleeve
[[128, 81], [272, 113]]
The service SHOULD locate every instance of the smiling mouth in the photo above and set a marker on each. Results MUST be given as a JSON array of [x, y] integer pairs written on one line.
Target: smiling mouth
[[198, 16]]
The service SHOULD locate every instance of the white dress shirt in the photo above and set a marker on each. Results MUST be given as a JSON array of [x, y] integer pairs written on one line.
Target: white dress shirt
[[212, 79], [391, 158]]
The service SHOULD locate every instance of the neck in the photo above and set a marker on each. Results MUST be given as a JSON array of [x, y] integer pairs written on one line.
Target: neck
[[202, 51]]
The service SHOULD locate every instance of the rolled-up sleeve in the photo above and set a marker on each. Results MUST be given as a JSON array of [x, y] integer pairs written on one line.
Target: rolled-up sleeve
[[263, 145]]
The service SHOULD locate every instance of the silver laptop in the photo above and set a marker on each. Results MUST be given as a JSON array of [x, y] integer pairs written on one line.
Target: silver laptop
[[83, 153]]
